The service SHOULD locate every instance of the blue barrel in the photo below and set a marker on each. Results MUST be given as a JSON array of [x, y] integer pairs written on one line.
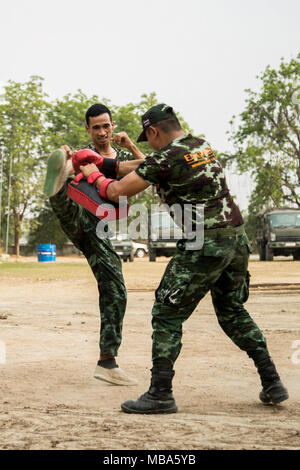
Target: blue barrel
[[46, 252]]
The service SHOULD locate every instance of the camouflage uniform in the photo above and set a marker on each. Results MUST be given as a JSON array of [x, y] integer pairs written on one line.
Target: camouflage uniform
[[187, 172], [80, 226]]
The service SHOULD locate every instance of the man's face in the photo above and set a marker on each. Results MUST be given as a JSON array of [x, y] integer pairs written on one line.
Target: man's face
[[100, 128]]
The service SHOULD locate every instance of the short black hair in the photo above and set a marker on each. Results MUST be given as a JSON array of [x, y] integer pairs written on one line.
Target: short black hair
[[168, 125], [96, 110]]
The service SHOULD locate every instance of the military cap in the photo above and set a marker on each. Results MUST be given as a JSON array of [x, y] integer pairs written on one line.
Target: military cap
[[159, 112]]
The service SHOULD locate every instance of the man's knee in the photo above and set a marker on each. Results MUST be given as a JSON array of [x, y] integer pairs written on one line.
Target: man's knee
[[113, 292]]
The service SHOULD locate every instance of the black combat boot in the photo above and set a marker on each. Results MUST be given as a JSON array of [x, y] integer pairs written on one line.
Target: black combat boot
[[158, 399], [273, 389]]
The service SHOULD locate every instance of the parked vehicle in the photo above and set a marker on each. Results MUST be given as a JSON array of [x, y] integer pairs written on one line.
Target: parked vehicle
[[278, 233], [123, 246], [140, 249], [163, 235]]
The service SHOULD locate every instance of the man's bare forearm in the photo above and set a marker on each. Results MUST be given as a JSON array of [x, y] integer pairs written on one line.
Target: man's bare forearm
[[138, 155], [122, 139], [128, 186], [127, 167]]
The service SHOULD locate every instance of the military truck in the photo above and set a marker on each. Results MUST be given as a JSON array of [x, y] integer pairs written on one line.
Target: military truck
[[163, 235], [278, 233]]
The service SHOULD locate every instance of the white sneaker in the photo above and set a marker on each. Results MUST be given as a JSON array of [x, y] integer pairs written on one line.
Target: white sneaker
[[114, 376]]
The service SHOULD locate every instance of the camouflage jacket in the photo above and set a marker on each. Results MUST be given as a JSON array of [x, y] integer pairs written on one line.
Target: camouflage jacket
[[187, 172], [122, 155]]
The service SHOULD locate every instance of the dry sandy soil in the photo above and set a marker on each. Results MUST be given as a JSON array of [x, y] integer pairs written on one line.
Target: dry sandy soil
[[49, 324]]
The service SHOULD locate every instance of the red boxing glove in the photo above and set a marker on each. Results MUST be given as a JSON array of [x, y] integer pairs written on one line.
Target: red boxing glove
[[85, 156], [93, 177], [103, 187]]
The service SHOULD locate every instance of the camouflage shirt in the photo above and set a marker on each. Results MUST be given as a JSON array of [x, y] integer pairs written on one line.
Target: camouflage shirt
[[187, 172], [122, 155]]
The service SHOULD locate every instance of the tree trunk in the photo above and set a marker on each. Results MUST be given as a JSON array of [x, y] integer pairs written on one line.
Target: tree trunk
[[17, 241], [17, 230]]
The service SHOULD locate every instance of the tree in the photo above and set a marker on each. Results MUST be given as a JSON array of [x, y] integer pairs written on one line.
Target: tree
[[66, 119], [267, 138], [22, 136], [128, 118], [30, 127], [45, 228]]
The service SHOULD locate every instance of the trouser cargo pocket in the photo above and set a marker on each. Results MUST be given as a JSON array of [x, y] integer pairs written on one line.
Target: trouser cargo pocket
[[245, 288]]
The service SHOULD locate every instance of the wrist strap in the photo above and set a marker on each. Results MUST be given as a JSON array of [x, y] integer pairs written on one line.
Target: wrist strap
[[92, 178], [110, 167], [78, 177], [103, 187]]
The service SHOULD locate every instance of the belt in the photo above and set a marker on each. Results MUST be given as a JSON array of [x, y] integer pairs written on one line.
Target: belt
[[225, 232]]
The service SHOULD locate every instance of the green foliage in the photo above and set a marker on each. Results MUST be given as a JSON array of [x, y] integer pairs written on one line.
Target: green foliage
[[45, 228], [266, 138], [23, 142], [66, 118], [128, 118], [30, 128]]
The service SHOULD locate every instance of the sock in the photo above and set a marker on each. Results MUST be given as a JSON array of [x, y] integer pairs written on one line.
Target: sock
[[108, 363], [163, 364]]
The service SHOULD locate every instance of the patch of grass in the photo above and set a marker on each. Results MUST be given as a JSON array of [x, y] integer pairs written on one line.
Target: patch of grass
[[44, 271]]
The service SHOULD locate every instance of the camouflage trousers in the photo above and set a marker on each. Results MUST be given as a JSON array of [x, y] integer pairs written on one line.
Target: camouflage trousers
[[80, 226], [221, 267]]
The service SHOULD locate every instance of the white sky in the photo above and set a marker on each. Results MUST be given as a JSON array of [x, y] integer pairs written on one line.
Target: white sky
[[198, 56]]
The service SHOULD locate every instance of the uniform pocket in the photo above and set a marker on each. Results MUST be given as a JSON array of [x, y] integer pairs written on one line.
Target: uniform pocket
[[172, 291], [245, 288], [243, 240]]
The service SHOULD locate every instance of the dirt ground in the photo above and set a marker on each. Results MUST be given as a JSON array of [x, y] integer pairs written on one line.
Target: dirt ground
[[49, 328]]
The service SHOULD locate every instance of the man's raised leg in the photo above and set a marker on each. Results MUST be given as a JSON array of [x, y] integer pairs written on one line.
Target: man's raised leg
[[80, 226]]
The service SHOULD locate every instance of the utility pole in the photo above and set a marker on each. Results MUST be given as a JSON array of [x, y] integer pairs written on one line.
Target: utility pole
[[8, 204], [2, 100], [1, 180]]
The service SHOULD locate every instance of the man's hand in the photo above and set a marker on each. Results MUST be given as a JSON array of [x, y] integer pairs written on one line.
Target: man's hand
[[122, 139], [68, 151], [85, 156], [87, 170]]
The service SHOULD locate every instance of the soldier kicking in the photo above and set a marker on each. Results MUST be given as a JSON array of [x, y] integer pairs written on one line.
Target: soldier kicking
[[185, 171], [80, 226]]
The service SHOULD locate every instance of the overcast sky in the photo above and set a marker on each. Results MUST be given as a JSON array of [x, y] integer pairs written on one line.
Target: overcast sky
[[198, 56]]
